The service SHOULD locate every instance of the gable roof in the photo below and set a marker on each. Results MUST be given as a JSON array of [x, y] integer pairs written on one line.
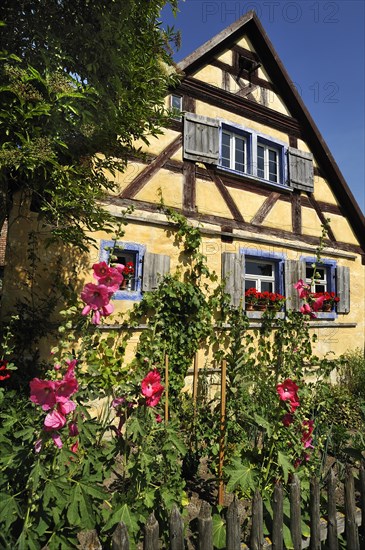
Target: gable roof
[[249, 25]]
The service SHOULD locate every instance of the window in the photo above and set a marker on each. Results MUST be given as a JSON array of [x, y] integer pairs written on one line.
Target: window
[[260, 275], [126, 253], [257, 269], [234, 151], [268, 163], [129, 260], [320, 283], [176, 106], [243, 150], [247, 152]]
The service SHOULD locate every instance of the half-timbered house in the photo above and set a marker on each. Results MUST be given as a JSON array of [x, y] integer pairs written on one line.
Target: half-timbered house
[[243, 158]]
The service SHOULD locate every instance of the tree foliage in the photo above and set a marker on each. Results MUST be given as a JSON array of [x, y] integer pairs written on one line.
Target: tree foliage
[[79, 82]]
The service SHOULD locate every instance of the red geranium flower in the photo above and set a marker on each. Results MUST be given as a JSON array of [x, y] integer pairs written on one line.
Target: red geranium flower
[[4, 373]]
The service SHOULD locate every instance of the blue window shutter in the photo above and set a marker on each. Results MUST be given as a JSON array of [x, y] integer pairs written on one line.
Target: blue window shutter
[[233, 273]]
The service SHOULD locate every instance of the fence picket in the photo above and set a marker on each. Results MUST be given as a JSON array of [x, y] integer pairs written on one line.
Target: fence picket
[[233, 538], [205, 527], [176, 530], [120, 540], [295, 514], [332, 535], [151, 533], [351, 530], [315, 518], [278, 517], [257, 533], [362, 498], [337, 523]]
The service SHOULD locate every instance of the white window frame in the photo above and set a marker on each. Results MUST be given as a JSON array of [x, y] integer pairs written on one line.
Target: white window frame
[[176, 108], [256, 280], [267, 148], [232, 150], [318, 281]]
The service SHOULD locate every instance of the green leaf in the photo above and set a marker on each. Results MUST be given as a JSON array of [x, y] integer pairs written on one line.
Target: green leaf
[[263, 423], [219, 532], [178, 444], [73, 513], [241, 475], [287, 538], [285, 464], [94, 491]]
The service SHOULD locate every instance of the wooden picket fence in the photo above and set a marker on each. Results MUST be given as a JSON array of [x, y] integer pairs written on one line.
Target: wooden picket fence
[[325, 528]]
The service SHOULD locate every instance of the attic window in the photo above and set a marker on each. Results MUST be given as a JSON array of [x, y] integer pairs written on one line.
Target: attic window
[[246, 64], [176, 106]]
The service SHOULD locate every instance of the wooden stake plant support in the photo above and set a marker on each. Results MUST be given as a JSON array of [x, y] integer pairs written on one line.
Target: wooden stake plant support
[[222, 431], [195, 382]]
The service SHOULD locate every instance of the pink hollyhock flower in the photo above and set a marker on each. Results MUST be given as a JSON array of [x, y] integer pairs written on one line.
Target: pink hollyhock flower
[[100, 270], [297, 463], [158, 418], [74, 447], [294, 405], [287, 419], [66, 388], [38, 445], [57, 439], [43, 392], [73, 429], [112, 280], [307, 310], [318, 303], [302, 289], [308, 427], [155, 398], [151, 388], [54, 421], [95, 296], [56, 366], [66, 407], [119, 267], [71, 364], [287, 390], [117, 401]]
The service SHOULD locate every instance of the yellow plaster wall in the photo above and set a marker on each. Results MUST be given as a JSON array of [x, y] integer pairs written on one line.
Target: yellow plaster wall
[[215, 112], [123, 179], [170, 184], [311, 224], [261, 73], [322, 191], [279, 216], [210, 75], [157, 144], [342, 229], [178, 155], [274, 101], [225, 57], [209, 200], [245, 43], [247, 202]]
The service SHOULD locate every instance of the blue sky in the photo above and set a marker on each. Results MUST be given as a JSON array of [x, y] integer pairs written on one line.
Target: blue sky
[[321, 44]]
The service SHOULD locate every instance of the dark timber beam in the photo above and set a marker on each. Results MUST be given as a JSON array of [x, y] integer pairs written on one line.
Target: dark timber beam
[[140, 181]]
